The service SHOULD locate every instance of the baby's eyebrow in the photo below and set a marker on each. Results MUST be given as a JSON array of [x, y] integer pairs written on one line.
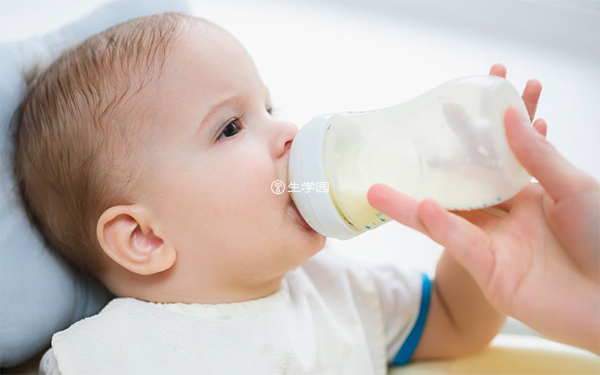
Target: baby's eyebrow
[[214, 108], [230, 100]]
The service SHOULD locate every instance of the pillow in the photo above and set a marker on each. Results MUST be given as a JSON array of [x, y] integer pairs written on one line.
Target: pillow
[[39, 293]]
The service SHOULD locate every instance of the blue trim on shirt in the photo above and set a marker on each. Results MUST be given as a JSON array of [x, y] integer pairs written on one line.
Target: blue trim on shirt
[[410, 344]]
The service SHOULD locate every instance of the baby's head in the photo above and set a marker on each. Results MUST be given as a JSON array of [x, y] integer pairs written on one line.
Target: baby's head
[[145, 157]]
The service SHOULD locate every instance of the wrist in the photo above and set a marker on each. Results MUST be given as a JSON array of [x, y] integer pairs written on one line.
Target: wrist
[[475, 318], [591, 334], [595, 338]]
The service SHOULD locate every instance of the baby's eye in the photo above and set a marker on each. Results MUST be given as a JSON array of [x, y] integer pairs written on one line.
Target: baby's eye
[[230, 130]]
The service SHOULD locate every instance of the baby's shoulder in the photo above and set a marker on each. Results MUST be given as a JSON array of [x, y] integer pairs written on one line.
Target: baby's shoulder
[[125, 325], [332, 272], [118, 314], [333, 260], [335, 275]]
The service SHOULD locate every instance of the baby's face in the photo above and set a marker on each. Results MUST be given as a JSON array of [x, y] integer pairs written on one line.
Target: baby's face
[[214, 153]]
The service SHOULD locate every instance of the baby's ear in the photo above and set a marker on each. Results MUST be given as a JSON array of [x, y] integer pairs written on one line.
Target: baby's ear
[[127, 236]]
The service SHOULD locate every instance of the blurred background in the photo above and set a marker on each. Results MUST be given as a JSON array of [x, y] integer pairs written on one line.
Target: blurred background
[[332, 56]]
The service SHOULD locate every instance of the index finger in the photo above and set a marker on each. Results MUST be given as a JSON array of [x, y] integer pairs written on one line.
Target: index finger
[[396, 205]]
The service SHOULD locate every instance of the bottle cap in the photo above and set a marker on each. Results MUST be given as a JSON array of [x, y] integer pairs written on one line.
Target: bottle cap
[[306, 165]]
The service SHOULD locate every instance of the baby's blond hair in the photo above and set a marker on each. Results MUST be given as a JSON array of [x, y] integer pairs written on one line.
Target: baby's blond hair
[[77, 143]]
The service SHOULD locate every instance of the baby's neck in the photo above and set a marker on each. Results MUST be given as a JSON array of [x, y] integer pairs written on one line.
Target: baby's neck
[[159, 288]]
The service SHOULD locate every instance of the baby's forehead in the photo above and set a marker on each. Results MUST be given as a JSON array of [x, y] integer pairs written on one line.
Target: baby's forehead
[[210, 43], [205, 67], [210, 58]]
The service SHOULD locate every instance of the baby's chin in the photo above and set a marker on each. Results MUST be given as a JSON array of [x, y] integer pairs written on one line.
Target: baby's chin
[[320, 243], [315, 242]]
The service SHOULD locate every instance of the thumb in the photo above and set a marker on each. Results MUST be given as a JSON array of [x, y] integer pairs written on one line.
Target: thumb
[[539, 157]]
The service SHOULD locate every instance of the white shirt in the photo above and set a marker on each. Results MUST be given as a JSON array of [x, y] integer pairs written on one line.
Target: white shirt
[[332, 315]]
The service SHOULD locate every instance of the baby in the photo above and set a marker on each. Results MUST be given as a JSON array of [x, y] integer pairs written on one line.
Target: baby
[[145, 157]]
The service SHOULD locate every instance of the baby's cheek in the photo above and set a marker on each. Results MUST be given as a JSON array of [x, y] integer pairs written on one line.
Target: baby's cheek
[[241, 185], [252, 175], [258, 201]]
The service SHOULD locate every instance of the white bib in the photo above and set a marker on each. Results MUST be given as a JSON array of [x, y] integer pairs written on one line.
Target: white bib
[[326, 318]]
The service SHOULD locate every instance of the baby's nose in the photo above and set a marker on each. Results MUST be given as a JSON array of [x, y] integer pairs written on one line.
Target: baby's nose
[[288, 146], [283, 137], [290, 132], [293, 128]]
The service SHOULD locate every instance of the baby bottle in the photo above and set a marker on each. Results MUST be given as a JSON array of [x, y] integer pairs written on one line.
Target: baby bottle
[[448, 144]]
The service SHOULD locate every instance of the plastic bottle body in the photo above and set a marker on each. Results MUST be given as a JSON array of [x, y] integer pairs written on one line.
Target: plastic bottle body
[[448, 144]]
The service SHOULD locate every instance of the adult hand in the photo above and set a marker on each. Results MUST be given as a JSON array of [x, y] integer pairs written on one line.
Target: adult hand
[[540, 262]]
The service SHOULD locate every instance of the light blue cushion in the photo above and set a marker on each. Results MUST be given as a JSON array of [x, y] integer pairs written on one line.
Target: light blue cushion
[[39, 293]]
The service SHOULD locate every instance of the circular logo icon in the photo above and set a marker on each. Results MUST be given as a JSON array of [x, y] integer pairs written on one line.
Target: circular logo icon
[[277, 187]]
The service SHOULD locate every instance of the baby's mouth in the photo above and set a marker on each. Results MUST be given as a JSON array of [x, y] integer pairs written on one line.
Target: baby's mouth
[[293, 212]]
